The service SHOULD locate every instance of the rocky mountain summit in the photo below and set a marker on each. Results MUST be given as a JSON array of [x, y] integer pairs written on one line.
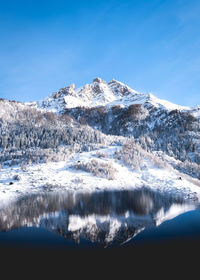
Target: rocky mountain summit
[[100, 93]]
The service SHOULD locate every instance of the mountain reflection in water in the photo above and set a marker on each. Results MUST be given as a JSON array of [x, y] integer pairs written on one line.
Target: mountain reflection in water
[[106, 217]]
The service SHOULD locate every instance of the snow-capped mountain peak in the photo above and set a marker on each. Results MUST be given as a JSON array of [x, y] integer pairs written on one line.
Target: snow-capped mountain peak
[[101, 93], [95, 94], [120, 89], [98, 93]]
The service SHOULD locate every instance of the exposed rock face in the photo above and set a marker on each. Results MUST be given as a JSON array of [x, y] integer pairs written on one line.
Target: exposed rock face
[[65, 91], [119, 88], [99, 80]]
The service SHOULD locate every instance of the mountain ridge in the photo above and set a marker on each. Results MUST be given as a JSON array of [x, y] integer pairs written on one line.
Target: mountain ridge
[[100, 93]]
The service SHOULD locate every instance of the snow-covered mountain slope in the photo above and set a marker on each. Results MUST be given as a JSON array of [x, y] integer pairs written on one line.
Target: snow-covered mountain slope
[[115, 108], [100, 93], [196, 112], [10, 109]]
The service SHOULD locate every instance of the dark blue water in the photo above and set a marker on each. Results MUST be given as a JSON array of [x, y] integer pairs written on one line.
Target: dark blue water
[[183, 227], [33, 237]]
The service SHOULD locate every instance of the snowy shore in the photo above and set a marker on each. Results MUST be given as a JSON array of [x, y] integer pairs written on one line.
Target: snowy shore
[[53, 176]]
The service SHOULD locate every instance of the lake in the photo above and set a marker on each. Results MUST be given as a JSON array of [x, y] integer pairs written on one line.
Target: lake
[[98, 220]]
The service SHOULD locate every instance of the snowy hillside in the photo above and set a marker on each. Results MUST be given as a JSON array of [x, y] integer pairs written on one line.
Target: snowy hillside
[[76, 173]]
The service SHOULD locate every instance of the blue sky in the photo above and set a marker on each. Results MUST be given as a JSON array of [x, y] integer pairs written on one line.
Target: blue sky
[[151, 45]]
